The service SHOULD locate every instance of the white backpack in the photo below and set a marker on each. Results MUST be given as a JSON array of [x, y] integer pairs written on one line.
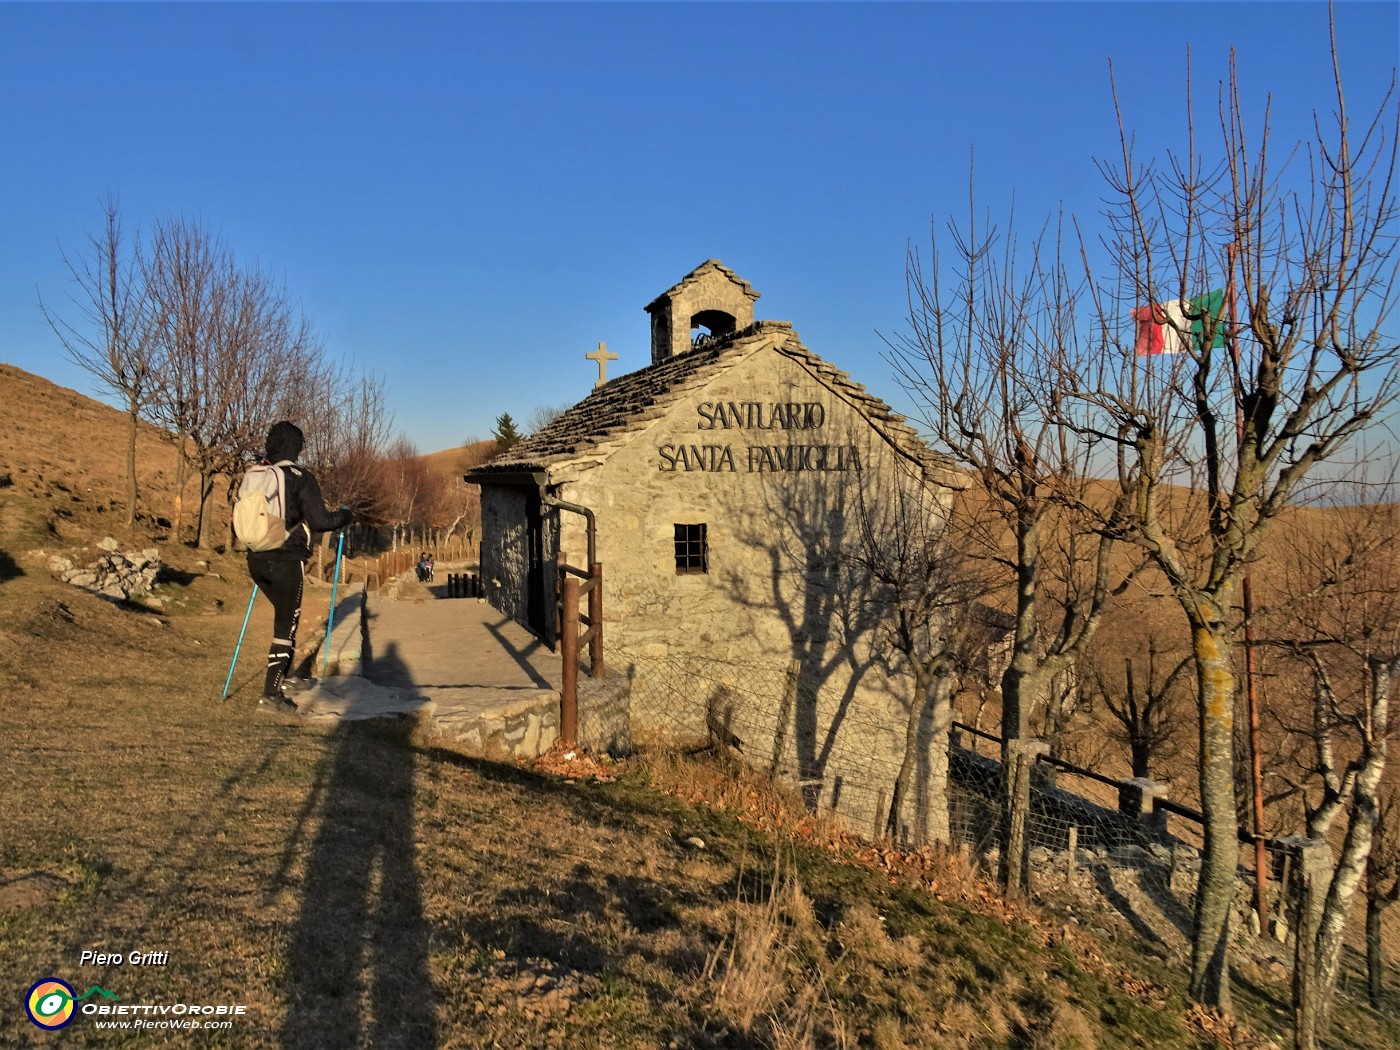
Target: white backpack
[[260, 510]]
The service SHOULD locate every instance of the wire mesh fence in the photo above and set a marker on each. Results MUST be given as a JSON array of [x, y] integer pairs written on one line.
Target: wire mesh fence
[[1112, 853], [841, 752]]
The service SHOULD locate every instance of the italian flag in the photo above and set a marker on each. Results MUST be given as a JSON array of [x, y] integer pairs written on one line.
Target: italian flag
[[1164, 328]]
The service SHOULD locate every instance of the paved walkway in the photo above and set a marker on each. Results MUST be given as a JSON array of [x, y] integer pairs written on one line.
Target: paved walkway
[[453, 659]]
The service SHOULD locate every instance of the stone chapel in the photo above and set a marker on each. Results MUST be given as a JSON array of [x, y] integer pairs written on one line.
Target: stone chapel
[[721, 488]]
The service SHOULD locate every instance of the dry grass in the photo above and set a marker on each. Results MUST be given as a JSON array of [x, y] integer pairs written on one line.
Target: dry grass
[[368, 885]]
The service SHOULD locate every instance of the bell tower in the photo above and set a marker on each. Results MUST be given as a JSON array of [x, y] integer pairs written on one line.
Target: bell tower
[[710, 301]]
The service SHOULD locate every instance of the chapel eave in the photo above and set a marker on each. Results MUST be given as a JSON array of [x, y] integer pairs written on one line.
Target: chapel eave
[[586, 434]]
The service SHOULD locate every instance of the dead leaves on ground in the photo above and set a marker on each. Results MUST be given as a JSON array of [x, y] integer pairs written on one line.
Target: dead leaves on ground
[[759, 804], [573, 763]]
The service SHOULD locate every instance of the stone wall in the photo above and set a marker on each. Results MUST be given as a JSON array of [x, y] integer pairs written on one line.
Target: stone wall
[[526, 729], [529, 728], [605, 714], [765, 455]]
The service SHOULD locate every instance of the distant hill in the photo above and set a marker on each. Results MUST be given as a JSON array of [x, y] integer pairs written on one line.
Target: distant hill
[[454, 462], [69, 451]]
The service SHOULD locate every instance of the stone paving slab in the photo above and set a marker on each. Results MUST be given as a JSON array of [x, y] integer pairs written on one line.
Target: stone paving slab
[[474, 673], [352, 698], [343, 655], [457, 643]]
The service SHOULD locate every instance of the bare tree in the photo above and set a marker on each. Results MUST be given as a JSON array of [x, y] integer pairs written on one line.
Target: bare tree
[[110, 338], [923, 589], [183, 273], [348, 435], [1345, 637], [414, 491], [1214, 441], [542, 415], [229, 343], [1382, 882], [990, 332], [461, 501], [261, 346], [1142, 699]]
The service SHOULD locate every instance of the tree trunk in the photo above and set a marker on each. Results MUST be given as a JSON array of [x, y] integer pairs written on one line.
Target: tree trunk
[[1310, 887], [1020, 685], [934, 752], [131, 430], [1347, 876], [1375, 951], [1019, 689], [1210, 951], [1352, 861], [182, 477], [1141, 750], [206, 489], [923, 774]]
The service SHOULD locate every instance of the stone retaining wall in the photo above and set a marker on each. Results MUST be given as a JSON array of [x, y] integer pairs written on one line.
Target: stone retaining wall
[[347, 636], [528, 728], [605, 715]]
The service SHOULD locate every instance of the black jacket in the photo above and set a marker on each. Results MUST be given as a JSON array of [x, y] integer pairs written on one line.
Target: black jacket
[[306, 513]]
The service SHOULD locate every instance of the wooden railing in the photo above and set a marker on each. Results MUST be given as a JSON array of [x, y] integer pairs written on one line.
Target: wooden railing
[[574, 583]]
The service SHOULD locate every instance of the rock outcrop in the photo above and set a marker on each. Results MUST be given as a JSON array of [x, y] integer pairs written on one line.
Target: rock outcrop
[[117, 574]]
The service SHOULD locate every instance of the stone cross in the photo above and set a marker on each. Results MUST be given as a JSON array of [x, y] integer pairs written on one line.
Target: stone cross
[[602, 356]]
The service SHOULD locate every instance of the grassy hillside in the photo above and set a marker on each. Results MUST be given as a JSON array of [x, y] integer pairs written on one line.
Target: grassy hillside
[[452, 463], [371, 885], [68, 452]]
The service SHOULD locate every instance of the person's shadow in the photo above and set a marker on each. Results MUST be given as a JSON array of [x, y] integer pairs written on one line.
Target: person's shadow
[[359, 957]]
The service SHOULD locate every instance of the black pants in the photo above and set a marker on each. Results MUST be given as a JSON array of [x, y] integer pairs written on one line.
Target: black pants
[[281, 580]]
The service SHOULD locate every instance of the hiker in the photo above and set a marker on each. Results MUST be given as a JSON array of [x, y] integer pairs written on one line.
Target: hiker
[[281, 571], [424, 563]]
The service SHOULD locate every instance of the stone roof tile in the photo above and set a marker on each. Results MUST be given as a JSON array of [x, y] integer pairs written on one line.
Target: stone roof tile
[[695, 274], [630, 402]]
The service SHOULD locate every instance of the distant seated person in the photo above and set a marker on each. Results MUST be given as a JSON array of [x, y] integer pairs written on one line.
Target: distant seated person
[[425, 567], [430, 566]]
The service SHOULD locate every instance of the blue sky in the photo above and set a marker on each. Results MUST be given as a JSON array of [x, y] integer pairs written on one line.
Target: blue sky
[[465, 198]]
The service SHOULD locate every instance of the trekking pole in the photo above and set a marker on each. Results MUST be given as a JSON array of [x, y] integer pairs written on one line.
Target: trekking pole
[[239, 646], [330, 616]]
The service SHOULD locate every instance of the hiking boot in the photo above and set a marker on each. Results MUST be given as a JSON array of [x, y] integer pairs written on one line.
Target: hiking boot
[[297, 685], [278, 702]]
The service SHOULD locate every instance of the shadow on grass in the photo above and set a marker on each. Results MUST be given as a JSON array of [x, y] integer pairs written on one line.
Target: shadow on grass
[[358, 968], [9, 569]]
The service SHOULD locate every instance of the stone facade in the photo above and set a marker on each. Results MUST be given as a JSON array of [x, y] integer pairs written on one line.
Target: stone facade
[[726, 481], [710, 295]]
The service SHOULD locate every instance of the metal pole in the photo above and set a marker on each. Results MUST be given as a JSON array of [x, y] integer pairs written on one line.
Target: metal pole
[[239, 646], [330, 616], [568, 649], [595, 620]]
